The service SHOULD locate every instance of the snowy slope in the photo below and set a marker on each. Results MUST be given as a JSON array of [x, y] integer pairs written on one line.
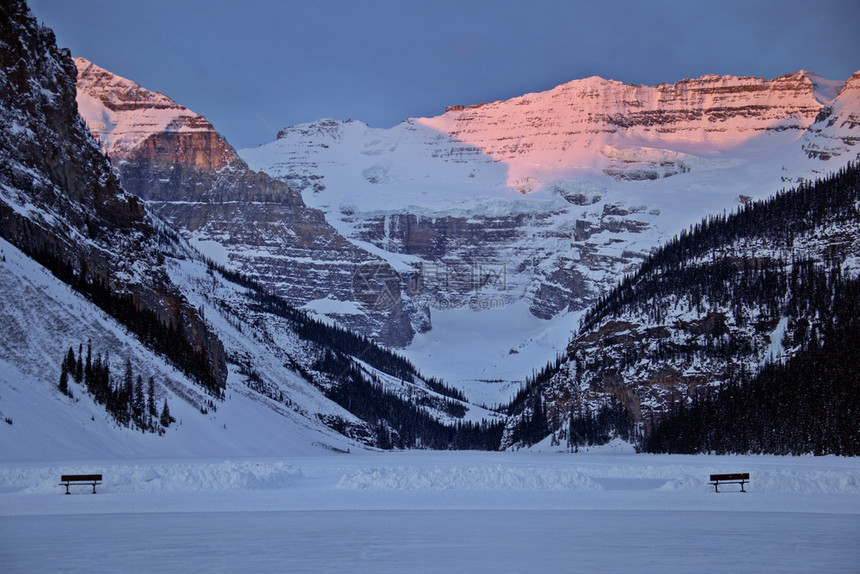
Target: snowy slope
[[268, 408], [43, 318], [49, 317]]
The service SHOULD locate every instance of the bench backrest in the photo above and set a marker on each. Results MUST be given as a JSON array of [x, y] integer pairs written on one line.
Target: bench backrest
[[736, 476], [80, 477]]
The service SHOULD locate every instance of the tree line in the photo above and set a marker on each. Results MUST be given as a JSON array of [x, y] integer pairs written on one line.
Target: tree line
[[398, 423], [394, 421], [334, 337], [164, 338], [129, 401], [781, 220]]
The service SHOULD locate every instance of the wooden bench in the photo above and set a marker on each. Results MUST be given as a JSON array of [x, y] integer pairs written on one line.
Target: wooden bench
[[70, 479], [737, 478]]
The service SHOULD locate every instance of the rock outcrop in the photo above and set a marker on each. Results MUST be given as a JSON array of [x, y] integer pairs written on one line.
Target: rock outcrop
[[836, 132]]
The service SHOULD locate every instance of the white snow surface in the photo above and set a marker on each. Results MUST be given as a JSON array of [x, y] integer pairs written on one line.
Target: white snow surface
[[424, 511], [488, 354]]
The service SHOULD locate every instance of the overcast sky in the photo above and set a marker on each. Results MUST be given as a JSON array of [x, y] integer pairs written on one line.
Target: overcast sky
[[253, 67]]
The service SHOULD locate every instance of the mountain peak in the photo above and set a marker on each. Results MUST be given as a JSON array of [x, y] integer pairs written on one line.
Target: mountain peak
[[125, 117]]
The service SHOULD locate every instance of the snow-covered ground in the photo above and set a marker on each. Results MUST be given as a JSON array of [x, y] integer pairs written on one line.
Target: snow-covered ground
[[605, 510]]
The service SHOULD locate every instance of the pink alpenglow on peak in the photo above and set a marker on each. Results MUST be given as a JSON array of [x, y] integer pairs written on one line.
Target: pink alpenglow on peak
[[587, 124], [127, 119]]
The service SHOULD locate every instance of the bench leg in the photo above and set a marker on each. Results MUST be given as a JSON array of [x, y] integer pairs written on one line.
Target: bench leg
[[67, 488]]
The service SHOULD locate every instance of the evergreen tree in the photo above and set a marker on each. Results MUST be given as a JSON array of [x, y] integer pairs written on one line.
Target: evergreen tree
[[150, 399], [128, 378], [138, 406], [70, 361], [166, 419], [127, 401], [88, 366], [63, 385], [79, 365]]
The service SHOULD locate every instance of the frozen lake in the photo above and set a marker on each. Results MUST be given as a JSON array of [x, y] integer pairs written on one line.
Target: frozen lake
[[432, 541], [431, 512]]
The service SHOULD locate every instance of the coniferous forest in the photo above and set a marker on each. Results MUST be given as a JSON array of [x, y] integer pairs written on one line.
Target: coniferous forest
[[779, 223], [787, 260], [163, 338], [808, 404]]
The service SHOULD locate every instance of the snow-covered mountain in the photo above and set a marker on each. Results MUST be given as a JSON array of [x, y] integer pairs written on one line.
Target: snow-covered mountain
[[507, 219], [500, 221], [88, 270], [479, 238], [187, 172]]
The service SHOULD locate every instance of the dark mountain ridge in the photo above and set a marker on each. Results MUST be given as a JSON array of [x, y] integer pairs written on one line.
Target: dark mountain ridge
[[61, 202]]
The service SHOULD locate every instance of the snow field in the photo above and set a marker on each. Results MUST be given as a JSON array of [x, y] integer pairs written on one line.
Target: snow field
[[426, 479], [422, 511], [422, 168]]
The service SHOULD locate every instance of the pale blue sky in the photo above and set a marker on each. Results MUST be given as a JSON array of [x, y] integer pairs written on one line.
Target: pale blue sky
[[253, 67]]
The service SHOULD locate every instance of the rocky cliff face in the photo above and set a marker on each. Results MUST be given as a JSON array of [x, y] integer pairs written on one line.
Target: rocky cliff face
[[60, 199], [488, 261], [188, 174], [126, 119]]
